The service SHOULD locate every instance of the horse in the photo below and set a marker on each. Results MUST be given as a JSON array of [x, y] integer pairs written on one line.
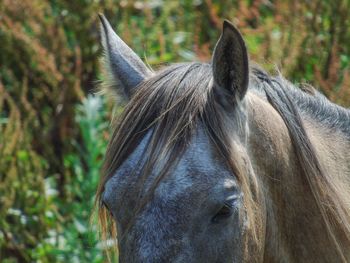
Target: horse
[[222, 162]]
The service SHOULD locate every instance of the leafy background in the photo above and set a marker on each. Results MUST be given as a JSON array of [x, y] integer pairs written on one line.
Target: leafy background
[[53, 133]]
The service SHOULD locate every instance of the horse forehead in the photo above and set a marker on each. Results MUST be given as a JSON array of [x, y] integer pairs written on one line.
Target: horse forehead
[[198, 168], [198, 165]]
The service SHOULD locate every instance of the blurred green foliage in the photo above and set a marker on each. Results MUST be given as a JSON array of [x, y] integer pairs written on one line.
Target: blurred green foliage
[[53, 135]]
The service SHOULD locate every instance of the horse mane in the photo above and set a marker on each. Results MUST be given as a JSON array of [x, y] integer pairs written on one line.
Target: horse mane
[[331, 198], [311, 102], [174, 101]]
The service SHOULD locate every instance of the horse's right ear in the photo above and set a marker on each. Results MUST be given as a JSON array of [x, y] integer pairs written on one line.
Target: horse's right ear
[[230, 65], [126, 68]]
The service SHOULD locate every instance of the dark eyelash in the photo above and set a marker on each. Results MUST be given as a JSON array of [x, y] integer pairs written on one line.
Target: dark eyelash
[[231, 203]]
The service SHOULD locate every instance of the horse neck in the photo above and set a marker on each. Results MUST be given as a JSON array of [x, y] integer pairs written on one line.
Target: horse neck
[[293, 221], [332, 147]]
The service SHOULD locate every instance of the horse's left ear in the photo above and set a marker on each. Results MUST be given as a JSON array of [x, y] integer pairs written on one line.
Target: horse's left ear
[[230, 65]]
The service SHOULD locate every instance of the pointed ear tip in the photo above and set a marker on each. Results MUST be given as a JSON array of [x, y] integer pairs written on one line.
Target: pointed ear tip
[[101, 17], [106, 27], [228, 24], [104, 22], [231, 30]]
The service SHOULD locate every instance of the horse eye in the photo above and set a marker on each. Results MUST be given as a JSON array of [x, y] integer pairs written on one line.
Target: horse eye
[[224, 213]]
